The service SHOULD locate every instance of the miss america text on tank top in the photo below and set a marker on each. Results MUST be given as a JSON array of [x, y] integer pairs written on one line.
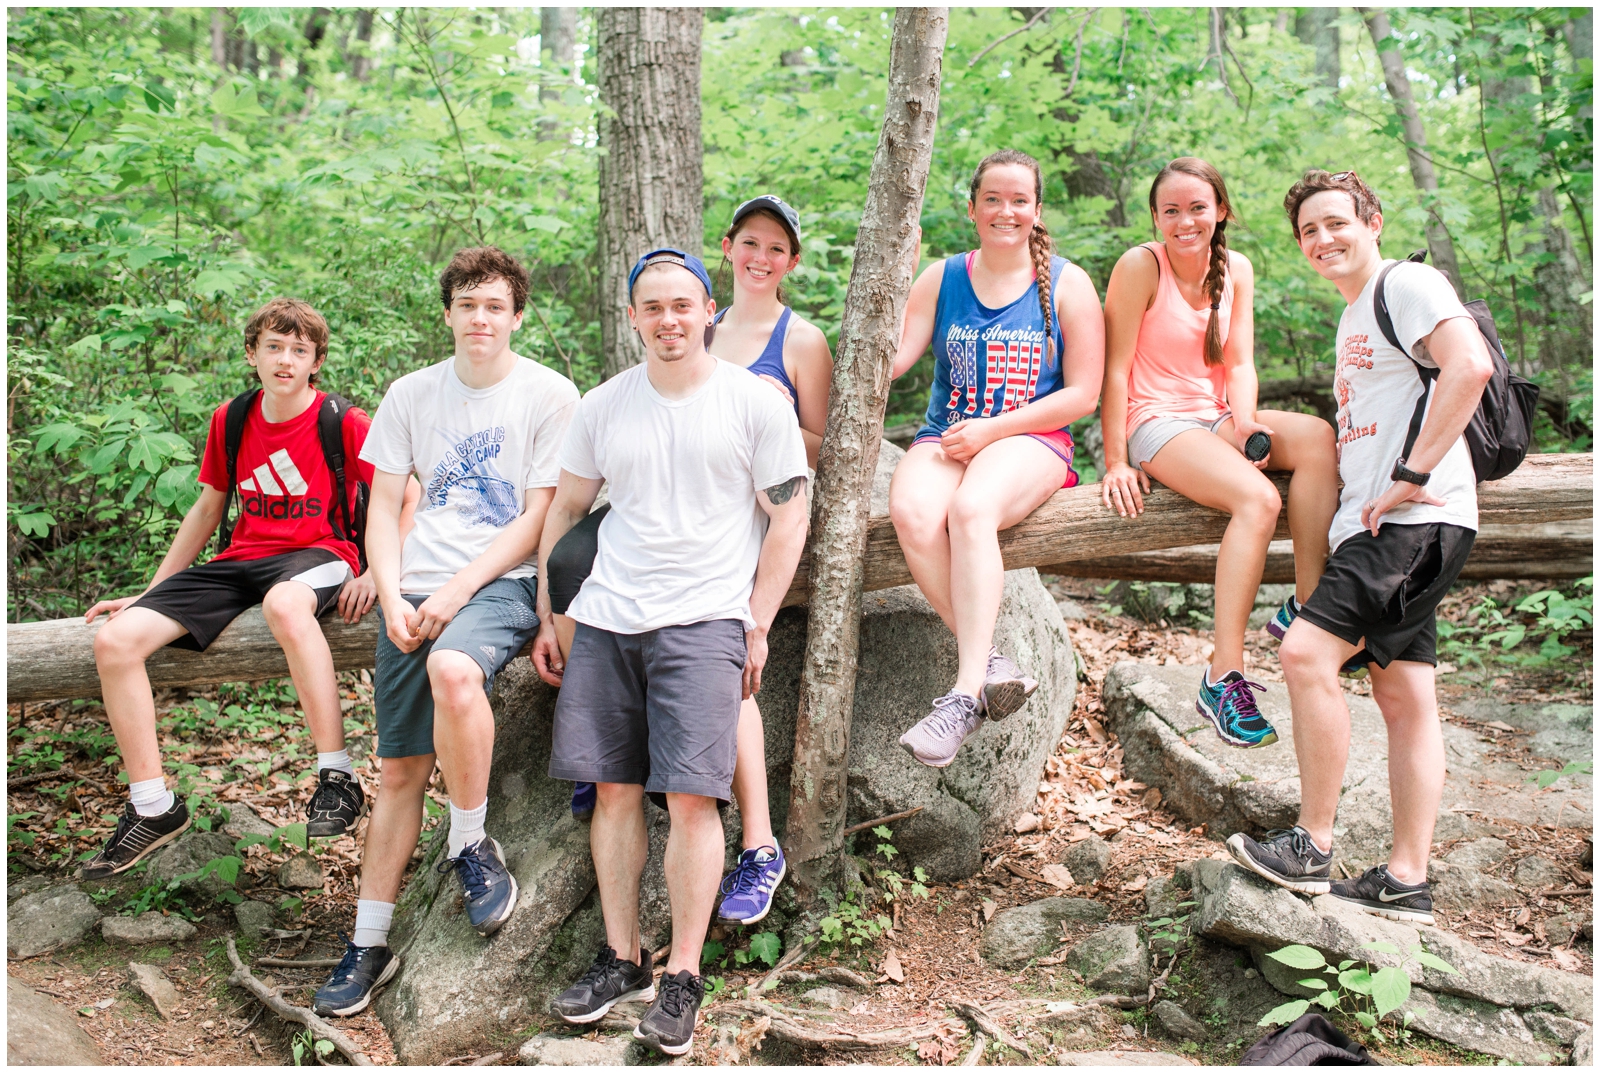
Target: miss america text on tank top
[[988, 361]]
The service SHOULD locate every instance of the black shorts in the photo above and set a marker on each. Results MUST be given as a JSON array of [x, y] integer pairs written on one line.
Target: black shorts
[[204, 599], [571, 560], [1384, 589], [658, 709]]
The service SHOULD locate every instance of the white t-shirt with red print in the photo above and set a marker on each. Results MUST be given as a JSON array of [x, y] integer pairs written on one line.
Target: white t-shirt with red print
[[1377, 387], [284, 499]]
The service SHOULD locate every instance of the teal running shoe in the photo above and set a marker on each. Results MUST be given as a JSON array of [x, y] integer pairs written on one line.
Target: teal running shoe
[[1231, 708], [1356, 666], [1285, 617]]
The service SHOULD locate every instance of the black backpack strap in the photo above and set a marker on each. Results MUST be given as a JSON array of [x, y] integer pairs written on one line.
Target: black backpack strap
[[330, 428], [1380, 310], [232, 437]]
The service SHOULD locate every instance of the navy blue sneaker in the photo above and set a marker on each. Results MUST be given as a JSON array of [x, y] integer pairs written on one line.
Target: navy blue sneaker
[[490, 890], [583, 796], [747, 890], [1285, 617], [1231, 708], [361, 971]]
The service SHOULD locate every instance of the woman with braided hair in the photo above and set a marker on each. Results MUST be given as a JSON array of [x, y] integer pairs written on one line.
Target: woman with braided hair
[[1019, 346], [1179, 405]]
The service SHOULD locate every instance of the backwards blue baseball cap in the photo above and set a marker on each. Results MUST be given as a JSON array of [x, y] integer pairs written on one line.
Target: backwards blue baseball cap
[[670, 256]]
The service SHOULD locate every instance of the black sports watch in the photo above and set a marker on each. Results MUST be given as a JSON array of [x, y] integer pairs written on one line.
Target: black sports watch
[[1410, 476]]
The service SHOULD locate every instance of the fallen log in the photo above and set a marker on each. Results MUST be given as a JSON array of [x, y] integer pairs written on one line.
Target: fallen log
[[1557, 550], [55, 660]]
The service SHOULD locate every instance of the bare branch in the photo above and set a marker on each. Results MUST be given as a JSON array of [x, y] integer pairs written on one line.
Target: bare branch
[[1042, 13], [269, 997]]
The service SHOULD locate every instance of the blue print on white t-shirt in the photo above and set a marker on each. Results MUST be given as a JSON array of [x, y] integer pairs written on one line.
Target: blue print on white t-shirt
[[483, 496]]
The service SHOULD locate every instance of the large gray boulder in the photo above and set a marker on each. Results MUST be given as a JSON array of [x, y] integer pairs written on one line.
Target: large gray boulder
[[1165, 744], [1510, 1009], [48, 920], [455, 986], [41, 1033]]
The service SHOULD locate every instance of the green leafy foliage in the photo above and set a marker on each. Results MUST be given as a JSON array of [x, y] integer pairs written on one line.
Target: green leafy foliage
[[1363, 992], [1529, 633]]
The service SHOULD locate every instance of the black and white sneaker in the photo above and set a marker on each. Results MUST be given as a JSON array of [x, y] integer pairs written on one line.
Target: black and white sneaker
[[608, 981], [135, 838], [1288, 858], [336, 806], [361, 971], [669, 1026], [1377, 892]]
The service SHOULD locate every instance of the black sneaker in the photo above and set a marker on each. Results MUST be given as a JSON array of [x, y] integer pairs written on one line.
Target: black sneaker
[[135, 838], [361, 971], [669, 1026], [1288, 858], [336, 806], [608, 981], [1377, 892]]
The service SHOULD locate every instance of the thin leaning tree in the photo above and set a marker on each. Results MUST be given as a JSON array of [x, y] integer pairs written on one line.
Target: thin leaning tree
[[880, 281]]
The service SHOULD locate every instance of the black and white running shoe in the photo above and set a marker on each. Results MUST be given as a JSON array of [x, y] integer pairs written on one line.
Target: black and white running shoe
[[669, 1026], [1377, 892], [1288, 858], [135, 838], [361, 971], [336, 806], [608, 981]]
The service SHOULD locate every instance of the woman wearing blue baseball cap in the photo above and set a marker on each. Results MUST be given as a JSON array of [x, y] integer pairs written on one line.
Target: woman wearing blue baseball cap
[[761, 333]]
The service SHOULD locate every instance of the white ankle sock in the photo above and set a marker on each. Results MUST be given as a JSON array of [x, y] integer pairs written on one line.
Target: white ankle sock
[[150, 797], [466, 826], [372, 923], [339, 761]]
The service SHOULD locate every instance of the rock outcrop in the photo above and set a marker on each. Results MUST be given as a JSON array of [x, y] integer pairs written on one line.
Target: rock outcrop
[[41, 1033], [456, 988], [1167, 745], [48, 920], [1509, 1009]]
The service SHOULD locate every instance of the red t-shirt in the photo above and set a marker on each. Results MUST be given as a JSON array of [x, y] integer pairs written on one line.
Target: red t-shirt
[[284, 500]]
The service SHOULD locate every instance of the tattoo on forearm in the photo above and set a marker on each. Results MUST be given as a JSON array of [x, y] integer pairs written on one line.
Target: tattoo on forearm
[[782, 493]]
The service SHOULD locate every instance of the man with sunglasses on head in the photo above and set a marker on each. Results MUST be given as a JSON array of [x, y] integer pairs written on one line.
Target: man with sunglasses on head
[[1405, 524]]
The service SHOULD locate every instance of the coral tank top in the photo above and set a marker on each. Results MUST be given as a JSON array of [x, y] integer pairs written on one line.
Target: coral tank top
[[1169, 376]]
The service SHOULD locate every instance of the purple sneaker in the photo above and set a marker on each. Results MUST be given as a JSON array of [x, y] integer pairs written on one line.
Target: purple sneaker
[[747, 890]]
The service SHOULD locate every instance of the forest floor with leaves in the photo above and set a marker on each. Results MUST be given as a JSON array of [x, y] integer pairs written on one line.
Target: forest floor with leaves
[[917, 988]]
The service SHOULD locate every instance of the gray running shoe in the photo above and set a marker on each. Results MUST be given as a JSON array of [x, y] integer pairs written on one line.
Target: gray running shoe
[[936, 740], [1005, 687]]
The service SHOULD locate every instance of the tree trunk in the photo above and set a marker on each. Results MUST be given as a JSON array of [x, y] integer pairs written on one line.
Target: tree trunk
[[1319, 28], [219, 36], [361, 61], [558, 35], [650, 170], [1440, 246], [880, 281]]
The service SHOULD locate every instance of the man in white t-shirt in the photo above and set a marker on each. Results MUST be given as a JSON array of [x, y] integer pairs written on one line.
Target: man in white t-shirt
[[1404, 527], [707, 482], [482, 431]]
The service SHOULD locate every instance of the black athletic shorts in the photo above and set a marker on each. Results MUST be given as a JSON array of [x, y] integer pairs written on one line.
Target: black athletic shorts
[[204, 599], [1384, 588], [571, 560]]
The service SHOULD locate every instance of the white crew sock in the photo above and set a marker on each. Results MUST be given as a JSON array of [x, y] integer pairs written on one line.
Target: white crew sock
[[372, 923], [150, 797], [466, 826], [339, 761]]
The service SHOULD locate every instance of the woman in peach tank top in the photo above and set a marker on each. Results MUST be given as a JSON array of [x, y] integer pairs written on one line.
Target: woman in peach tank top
[[1179, 405]]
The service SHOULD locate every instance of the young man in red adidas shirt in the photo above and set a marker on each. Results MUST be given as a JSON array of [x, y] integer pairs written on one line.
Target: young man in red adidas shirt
[[284, 553]]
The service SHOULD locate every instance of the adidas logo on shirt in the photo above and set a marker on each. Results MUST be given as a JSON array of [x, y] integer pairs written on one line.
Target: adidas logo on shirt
[[278, 476]]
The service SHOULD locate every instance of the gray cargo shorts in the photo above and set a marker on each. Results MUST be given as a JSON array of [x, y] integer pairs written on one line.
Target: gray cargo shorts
[[658, 709]]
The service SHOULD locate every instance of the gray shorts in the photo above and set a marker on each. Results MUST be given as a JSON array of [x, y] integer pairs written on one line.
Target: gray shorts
[[658, 709], [1157, 432], [492, 628]]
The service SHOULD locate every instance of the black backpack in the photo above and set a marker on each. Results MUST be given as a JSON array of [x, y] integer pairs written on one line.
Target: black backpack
[[1502, 427], [1309, 1041], [350, 522]]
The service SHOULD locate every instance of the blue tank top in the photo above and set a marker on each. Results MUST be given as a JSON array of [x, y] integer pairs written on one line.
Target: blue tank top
[[988, 361], [771, 360]]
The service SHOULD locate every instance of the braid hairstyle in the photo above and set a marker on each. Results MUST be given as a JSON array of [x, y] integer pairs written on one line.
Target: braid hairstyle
[[1217, 271], [1040, 245]]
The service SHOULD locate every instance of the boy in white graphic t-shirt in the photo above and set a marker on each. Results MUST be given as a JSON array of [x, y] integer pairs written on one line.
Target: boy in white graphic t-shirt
[[1405, 524], [482, 431]]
